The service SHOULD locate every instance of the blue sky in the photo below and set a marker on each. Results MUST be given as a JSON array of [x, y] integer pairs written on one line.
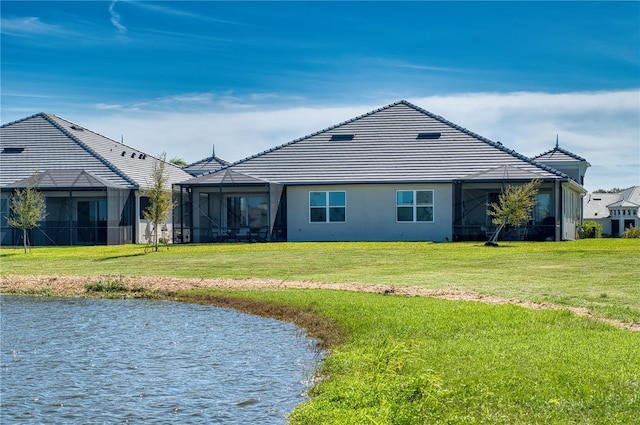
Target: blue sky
[[181, 76]]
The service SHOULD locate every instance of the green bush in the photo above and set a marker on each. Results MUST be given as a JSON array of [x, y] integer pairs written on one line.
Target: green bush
[[631, 233], [105, 286], [590, 229]]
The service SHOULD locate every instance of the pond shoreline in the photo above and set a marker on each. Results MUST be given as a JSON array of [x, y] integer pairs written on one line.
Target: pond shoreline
[[173, 288]]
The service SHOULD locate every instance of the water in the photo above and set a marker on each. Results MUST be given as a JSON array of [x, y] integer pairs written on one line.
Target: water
[[79, 361]]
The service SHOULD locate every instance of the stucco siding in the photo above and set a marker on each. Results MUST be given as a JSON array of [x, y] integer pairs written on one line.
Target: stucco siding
[[370, 214]]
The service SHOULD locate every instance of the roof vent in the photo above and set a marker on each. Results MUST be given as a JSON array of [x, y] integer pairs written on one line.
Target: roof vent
[[133, 155], [12, 150], [123, 153], [435, 135], [77, 128], [341, 137]]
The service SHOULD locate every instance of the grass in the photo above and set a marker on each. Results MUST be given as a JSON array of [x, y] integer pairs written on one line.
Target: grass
[[571, 273], [398, 360], [421, 360]]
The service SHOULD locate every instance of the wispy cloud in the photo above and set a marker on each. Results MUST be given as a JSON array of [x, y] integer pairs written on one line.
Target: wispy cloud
[[28, 26], [115, 18], [180, 13]]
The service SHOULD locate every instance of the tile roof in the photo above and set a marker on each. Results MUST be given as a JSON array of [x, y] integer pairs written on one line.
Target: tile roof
[[558, 154], [384, 146], [51, 142], [596, 205], [224, 177], [206, 165], [63, 179]]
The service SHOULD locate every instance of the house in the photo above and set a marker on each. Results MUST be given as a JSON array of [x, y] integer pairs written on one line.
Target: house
[[616, 212], [399, 173], [94, 186]]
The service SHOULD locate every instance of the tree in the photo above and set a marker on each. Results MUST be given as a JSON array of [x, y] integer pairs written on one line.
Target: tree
[[27, 209], [160, 198], [178, 161], [514, 207]]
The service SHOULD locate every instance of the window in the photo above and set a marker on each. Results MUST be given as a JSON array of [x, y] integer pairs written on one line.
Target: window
[[145, 203], [414, 205], [327, 207]]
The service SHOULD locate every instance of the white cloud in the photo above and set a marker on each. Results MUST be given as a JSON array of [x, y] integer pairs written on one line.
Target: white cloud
[[115, 18], [30, 25], [603, 127]]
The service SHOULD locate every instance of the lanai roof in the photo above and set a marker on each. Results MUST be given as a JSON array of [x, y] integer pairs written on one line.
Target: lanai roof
[[63, 179], [47, 142], [559, 154], [397, 143], [206, 165]]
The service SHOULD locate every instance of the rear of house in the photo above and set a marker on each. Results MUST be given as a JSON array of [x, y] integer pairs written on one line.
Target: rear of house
[[398, 173], [94, 186]]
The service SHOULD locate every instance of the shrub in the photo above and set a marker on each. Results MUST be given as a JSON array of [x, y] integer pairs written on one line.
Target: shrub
[[590, 229], [631, 232], [105, 286]]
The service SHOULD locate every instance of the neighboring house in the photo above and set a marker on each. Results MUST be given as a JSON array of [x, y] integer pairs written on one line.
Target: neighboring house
[[94, 186], [397, 173], [616, 212], [206, 165]]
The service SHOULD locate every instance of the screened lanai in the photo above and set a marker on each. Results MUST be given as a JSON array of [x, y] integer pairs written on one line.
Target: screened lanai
[[556, 214], [227, 206], [81, 209]]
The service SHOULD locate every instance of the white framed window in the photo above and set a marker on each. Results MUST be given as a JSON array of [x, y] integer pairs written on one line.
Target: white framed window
[[414, 206], [327, 207]]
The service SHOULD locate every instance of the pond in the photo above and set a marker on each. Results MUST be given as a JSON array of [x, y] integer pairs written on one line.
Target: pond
[[98, 361]]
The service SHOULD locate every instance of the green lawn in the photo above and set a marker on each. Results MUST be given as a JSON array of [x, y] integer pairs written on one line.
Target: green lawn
[[426, 361], [599, 274]]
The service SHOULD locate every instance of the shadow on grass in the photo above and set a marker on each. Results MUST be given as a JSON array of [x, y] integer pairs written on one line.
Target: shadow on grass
[[115, 257]]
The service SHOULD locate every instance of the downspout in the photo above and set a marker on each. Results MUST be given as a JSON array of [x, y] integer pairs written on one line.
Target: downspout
[[181, 214], [220, 219], [192, 213], [70, 217], [559, 209]]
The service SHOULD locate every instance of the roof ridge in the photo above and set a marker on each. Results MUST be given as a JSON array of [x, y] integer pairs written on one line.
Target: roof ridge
[[561, 150], [299, 139], [439, 118], [490, 142], [87, 148], [39, 114], [218, 159]]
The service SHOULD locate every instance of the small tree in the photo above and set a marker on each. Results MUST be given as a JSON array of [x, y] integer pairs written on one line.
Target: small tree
[[160, 198], [27, 209], [178, 161], [514, 207]]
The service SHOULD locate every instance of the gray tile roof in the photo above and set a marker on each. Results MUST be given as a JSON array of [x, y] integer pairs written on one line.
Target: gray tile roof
[[558, 154], [224, 177], [206, 165], [63, 179], [386, 147], [596, 204], [53, 143]]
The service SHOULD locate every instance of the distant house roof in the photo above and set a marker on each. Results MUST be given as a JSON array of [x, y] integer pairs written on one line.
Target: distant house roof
[[596, 205], [46, 142], [397, 143], [206, 165]]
